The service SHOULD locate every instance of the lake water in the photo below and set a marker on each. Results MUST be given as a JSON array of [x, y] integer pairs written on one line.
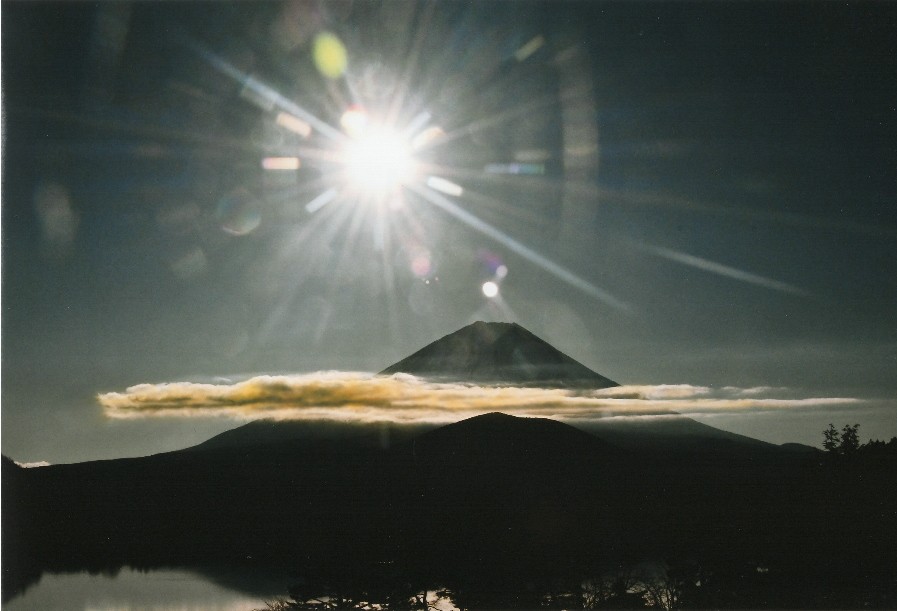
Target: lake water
[[156, 590], [161, 590]]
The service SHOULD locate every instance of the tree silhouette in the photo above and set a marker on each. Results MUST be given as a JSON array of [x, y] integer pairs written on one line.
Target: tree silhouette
[[850, 439], [845, 442], [832, 438], [353, 595], [614, 590], [662, 586]]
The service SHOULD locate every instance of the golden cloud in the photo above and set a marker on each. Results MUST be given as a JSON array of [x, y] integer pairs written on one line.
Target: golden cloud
[[350, 396]]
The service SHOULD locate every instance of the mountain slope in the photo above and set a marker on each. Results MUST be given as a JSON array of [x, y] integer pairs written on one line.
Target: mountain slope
[[497, 436], [498, 352], [670, 431], [492, 496], [263, 432]]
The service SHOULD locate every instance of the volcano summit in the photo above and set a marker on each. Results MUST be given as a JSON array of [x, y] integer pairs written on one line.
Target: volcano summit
[[498, 352]]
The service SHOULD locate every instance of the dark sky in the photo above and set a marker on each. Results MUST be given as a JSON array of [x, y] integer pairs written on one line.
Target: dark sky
[[703, 194]]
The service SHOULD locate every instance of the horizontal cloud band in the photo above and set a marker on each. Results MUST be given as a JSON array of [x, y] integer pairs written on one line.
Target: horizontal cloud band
[[402, 398]]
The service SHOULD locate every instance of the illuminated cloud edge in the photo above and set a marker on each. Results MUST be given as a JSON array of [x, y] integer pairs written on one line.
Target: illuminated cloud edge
[[364, 397]]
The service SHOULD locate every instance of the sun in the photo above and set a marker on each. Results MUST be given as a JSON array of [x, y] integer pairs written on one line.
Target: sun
[[378, 160], [399, 147]]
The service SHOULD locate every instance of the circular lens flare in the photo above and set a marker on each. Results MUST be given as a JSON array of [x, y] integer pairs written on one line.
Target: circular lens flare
[[378, 160], [490, 289], [330, 55]]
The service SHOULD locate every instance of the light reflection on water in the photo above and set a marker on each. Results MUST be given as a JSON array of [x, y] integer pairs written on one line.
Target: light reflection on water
[[130, 589]]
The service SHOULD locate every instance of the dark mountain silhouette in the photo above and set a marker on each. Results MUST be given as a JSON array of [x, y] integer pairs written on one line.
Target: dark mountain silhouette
[[490, 502], [670, 431], [667, 432], [799, 448], [266, 431], [498, 352], [497, 435]]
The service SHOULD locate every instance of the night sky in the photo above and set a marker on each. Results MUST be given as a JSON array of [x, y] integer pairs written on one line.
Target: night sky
[[670, 193]]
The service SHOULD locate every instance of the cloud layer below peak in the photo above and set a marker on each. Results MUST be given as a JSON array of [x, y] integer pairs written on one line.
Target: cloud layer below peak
[[352, 396]]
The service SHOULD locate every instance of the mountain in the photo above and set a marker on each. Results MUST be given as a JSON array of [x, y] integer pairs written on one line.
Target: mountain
[[264, 432], [499, 488], [503, 437], [466, 437], [670, 432], [498, 352], [486, 501], [261, 493], [489, 353], [470, 504], [500, 451]]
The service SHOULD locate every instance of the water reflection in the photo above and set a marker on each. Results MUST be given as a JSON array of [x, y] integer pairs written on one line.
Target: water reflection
[[155, 590]]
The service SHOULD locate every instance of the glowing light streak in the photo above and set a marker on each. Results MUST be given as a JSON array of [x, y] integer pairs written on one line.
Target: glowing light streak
[[294, 124], [321, 200], [532, 155], [265, 96], [258, 94], [529, 48], [580, 150], [418, 122], [521, 110], [513, 245], [722, 270], [529, 169], [426, 137], [281, 163], [445, 186]]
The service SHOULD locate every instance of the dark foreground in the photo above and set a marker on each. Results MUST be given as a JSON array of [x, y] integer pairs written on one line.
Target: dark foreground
[[493, 512]]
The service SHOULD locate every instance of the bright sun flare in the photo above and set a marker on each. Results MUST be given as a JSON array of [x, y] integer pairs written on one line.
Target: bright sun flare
[[379, 160]]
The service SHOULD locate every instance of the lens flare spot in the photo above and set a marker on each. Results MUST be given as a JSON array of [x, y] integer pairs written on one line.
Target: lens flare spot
[[189, 264], [330, 55], [529, 48], [491, 261], [281, 163], [238, 213], [421, 265], [59, 221], [427, 137], [321, 200], [490, 289], [524, 169], [294, 124], [501, 271], [446, 186], [532, 155]]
